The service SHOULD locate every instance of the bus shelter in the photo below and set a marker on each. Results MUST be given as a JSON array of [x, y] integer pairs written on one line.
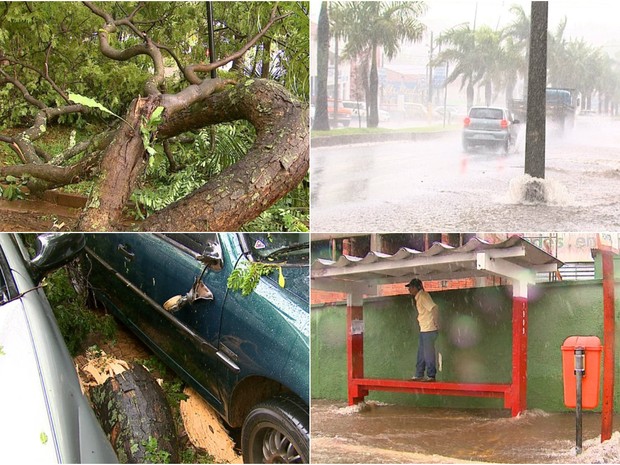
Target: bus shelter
[[515, 259]]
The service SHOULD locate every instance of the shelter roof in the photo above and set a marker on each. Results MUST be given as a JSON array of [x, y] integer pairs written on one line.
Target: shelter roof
[[515, 259]]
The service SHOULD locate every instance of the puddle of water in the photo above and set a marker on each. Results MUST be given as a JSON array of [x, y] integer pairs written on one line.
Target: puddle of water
[[475, 435]]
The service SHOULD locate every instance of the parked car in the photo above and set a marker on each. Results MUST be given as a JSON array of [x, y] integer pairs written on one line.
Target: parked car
[[490, 127], [358, 110], [344, 114], [45, 416], [229, 313]]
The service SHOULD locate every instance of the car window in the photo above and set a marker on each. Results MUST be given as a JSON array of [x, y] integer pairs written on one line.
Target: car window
[[273, 247], [196, 242], [486, 113]]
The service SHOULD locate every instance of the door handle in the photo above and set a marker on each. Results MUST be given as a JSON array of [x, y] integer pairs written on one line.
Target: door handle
[[124, 249]]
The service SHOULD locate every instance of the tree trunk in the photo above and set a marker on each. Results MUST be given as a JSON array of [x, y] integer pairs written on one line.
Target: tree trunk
[[133, 412], [536, 97], [274, 165], [321, 117], [470, 94], [373, 110], [123, 162]]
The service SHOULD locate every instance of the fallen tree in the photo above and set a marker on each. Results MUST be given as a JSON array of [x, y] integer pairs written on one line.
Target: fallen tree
[[276, 163]]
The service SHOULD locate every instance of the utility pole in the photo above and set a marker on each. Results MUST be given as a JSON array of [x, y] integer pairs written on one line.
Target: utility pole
[[430, 81], [536, 102], [211, 40]]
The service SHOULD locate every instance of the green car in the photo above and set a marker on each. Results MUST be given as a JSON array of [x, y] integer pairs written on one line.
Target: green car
[[229, 313]]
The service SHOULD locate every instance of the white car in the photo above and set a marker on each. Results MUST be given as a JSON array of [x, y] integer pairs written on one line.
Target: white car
[[45, 416]]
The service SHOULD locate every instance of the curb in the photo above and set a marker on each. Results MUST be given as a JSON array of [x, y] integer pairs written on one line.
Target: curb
[[328, 141]]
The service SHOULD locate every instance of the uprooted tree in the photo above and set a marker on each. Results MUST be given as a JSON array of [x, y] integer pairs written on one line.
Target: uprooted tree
[[74, 62]]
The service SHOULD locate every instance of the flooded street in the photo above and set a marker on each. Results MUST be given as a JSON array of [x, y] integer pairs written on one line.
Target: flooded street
[[381, 433], [424, 185]]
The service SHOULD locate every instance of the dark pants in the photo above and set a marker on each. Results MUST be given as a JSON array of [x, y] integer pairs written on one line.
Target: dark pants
[[426, 355]]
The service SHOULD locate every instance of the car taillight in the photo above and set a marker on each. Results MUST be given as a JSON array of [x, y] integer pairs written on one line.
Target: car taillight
[[466, 121], [503, 124]]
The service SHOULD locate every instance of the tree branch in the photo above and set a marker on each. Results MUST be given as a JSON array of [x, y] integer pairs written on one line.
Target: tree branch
[[190, 71], [149, 48]]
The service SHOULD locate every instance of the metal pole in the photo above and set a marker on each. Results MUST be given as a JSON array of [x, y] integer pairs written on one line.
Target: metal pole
[[579, 372], [609, 335], [211, 39]]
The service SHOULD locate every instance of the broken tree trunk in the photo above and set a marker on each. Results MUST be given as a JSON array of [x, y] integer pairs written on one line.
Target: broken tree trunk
[[123, 163], [134, 413], [275, 164]]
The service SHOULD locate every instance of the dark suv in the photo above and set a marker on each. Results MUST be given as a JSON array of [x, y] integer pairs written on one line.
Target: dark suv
[[229, 313], [490, 127]]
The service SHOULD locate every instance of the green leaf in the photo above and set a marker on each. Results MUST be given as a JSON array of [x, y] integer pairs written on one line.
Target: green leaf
[[43, 438], [91, 103], [156, 114]]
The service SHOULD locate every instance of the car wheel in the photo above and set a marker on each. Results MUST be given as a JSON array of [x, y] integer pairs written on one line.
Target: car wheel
[[276, 431], [466, 147]]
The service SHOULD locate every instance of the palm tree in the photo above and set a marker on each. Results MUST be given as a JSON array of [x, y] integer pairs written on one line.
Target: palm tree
[[516, 39], [380, 26], [463, 54], [491, 60]]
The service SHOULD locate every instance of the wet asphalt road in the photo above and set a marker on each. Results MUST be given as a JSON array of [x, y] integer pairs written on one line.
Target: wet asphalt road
[[434, 185]]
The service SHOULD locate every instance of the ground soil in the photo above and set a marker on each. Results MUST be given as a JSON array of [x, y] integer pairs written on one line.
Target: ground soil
[[380, 433], [36, 216]]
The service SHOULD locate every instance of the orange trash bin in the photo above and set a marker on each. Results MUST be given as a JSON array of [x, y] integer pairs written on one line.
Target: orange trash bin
[[592, 366]]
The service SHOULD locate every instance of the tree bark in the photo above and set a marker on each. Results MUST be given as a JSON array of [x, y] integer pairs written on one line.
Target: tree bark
[[133, 410], [122, 164]]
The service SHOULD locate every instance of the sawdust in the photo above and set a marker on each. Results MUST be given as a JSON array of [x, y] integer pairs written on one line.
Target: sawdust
[[95, 367], [205, 430]]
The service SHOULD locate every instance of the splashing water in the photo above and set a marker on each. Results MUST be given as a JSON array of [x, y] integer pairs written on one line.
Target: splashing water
[[553, 192]]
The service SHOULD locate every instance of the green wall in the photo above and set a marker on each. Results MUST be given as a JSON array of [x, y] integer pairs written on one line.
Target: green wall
[[475, 341]]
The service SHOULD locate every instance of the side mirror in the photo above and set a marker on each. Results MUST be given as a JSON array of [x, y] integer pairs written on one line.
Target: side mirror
[[212, 256], [53, 250]]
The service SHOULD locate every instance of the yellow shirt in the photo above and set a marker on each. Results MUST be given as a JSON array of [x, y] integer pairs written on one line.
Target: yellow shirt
[[427, 312]]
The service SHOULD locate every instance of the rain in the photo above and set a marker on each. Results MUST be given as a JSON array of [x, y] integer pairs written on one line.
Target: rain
[[412, 172]]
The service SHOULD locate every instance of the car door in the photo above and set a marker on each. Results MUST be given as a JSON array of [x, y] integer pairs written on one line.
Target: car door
[[143, 271]]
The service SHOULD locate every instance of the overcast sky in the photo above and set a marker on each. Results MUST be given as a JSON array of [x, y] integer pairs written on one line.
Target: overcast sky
[[597, 22]]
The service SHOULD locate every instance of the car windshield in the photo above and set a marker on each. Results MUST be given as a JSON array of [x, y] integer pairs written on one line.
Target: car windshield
[[279, 247], [486, 113]]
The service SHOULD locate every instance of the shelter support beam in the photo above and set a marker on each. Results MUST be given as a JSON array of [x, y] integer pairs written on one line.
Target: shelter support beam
[[355, 347], [609, 334], [518, 395]]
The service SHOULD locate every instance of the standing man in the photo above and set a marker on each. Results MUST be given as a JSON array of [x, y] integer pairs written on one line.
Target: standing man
[[427, 318]]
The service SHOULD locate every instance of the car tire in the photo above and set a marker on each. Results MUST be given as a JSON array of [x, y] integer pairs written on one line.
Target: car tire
[[466, 147], [506, 147], [276, 431]]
